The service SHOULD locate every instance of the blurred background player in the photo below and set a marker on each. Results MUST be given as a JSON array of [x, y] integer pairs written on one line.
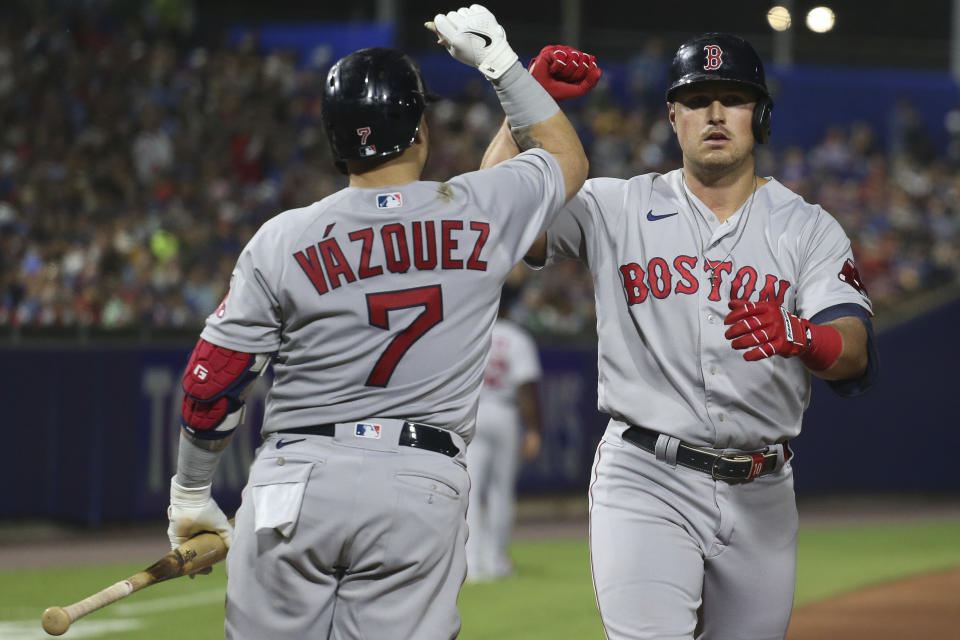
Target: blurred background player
[[509, 426], [376, 306]]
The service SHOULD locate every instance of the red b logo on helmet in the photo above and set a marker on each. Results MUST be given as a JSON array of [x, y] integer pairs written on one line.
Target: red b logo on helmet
[[713, 57]]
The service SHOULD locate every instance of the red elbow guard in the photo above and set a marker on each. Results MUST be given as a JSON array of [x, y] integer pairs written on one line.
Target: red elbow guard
[[214, 383]]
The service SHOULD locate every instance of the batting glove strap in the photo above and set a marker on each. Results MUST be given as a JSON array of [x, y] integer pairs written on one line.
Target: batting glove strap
[[193, 510], [473, 36], [766, 329], [564, 71]]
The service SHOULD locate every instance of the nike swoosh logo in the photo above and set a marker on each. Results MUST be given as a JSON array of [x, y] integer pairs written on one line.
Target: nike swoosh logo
[[487, 40], [654, 218], [283, 443]]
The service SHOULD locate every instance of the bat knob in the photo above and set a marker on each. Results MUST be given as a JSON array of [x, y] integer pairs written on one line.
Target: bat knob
[[55, 621]]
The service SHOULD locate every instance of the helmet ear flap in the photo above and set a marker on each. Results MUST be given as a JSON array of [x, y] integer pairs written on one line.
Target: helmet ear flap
[[761, 119]]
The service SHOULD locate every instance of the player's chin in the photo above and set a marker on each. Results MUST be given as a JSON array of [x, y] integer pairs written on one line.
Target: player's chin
[[720, 157], [716, 159]]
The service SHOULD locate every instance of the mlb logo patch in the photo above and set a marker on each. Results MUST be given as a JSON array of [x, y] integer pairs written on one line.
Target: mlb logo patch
[[389, 200], [366, 430]]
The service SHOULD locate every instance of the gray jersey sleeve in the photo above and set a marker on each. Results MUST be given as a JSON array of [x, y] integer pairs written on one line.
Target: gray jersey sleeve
[[570, 234], [249, 318], [826, 258], [525, 191]]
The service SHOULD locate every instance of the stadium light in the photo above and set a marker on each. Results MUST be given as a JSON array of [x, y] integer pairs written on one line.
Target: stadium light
[[820, 19], [778, 17]]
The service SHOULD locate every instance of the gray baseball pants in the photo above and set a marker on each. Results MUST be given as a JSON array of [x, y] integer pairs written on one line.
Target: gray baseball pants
[[678, 555], [348, 538]]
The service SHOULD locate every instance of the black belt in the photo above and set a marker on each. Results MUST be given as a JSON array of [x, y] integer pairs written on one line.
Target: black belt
[[744, 466], [418, 436]]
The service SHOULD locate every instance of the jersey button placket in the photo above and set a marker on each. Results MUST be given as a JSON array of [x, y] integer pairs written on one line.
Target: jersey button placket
[[707, 355], [713, 349]]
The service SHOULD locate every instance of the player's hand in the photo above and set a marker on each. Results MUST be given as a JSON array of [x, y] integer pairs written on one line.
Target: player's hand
[[565, 72], [193, 510], [766, 329], [473, 36], [531, 444]]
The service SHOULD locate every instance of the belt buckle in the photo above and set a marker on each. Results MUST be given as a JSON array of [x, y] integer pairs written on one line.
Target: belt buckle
[[755, 460], [716, 475]]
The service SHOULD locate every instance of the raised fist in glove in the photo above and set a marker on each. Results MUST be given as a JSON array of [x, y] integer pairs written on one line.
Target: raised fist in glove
[[193, 510], [565, 72], [766, 329], [473, 36]]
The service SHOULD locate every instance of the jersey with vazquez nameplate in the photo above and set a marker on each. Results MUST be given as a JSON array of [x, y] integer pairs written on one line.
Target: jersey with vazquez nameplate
[[385, 313], [652, 285]]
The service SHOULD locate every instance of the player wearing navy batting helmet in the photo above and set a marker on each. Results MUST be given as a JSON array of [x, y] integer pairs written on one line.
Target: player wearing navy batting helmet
[[719, 294], [374, 306]]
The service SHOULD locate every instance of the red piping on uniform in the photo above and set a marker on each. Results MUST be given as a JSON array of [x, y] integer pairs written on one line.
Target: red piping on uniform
[[590, 535]]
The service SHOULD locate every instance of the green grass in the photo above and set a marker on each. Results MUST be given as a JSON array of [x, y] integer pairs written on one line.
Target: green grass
[[550, 597], [835, 559], [180, 609]]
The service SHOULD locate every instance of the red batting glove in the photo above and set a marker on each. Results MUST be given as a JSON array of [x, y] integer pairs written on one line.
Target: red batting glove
[[767, 329], [565, 72]]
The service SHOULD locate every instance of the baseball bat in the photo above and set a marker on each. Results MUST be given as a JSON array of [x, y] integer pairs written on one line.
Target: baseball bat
[[199, 552]]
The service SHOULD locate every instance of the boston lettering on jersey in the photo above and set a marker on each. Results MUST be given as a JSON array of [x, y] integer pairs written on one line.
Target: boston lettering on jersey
[[326, 265], [660, 280]]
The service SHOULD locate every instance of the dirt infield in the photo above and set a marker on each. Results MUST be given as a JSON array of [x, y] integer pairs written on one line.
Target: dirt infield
[[925, 607]]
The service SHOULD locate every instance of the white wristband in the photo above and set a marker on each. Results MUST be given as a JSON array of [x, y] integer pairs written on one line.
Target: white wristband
[[188, 496]]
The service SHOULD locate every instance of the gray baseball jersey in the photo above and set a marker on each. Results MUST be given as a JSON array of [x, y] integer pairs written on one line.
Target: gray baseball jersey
[[674, 552], [380, 302], [664, 363]]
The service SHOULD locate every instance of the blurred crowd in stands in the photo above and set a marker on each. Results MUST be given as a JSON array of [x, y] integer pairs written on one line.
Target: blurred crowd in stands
[[133, 169]]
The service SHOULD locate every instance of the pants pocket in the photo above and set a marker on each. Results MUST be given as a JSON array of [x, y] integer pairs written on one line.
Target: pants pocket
[[277, 486], [428, 483]]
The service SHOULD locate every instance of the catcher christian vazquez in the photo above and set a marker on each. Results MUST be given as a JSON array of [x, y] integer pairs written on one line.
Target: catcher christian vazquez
[[705, 278], [376, 306]]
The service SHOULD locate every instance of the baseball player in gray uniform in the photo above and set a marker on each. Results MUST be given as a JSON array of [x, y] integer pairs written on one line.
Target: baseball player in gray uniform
[[375, 306], [508, 432], [718, 294]]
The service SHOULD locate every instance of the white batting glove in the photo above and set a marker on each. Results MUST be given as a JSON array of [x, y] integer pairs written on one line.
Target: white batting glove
[[193, 510], [473, 36]]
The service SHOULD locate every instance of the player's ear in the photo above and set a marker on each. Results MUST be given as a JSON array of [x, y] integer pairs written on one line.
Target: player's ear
[[672, 115], [423, 135]]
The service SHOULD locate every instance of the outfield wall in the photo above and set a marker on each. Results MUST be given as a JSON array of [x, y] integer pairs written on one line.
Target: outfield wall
[[90, 432]]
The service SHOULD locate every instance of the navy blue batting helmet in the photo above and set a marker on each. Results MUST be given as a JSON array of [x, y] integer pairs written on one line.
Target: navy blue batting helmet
[[372, 104], [723, 57]]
